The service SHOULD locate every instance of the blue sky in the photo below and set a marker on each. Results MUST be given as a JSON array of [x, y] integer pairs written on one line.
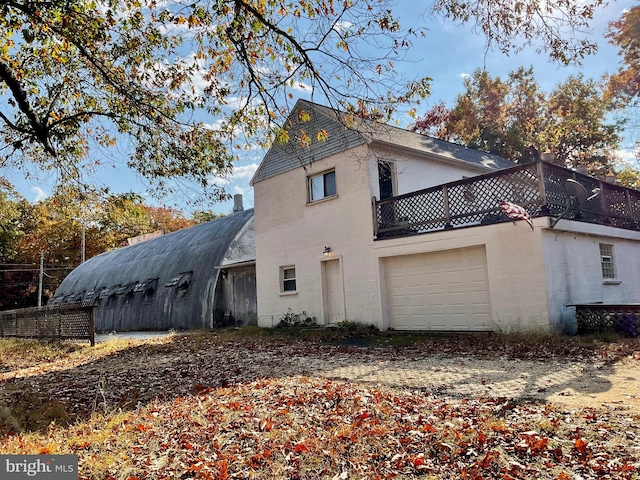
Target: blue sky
[[447, 54]]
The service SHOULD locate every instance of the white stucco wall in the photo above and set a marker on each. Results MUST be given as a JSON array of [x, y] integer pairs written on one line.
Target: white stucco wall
[[533, 275], [515, 266], [574, 272], [289, 231], [415, 173]]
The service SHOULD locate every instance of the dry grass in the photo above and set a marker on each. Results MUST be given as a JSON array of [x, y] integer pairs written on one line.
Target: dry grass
[[238, 404]]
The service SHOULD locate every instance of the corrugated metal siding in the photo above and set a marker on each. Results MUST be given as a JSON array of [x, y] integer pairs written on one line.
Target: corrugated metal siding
[[197, 249]]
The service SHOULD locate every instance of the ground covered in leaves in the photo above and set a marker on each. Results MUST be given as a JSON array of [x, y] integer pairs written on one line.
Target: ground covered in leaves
[[246, 405]]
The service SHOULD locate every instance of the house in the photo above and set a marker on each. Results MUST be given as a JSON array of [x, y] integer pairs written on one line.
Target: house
[[371, 223], [198, 277]]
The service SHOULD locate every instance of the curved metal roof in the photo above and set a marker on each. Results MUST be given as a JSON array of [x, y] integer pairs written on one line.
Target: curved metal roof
[[166, 282]]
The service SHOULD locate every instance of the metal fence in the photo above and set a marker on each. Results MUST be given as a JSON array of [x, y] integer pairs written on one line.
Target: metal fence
[[70, 321], [597, 318], [539, 187]]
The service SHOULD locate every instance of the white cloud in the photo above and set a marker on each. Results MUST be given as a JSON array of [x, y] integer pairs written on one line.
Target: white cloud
[[303, 87], [342, 26], [627, 156], [245, 171], [40, 194], [238, 190], [464, 75]]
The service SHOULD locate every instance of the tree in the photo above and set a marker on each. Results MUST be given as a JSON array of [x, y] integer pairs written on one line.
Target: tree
[[509, 117], [16, 281], [179, 88], [55, 227], [201, 216], [558, 27], [625, 34], [11, 209], [624, 86]]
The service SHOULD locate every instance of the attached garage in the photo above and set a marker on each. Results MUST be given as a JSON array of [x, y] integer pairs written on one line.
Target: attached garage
[[439, 291]]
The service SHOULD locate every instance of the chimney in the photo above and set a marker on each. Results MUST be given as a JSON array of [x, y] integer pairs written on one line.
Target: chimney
[[237, 203]]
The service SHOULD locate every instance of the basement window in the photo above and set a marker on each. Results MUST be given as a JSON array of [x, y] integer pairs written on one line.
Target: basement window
[[288, 279], [607, 261]]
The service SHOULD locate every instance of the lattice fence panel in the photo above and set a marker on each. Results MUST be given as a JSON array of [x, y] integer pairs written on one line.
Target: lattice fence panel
[[477, 201], [618, 213], [70, 321], [412, 214], [623, 319], [555, 193]]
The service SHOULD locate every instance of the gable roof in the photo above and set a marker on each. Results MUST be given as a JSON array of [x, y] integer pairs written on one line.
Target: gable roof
[[344, 131]]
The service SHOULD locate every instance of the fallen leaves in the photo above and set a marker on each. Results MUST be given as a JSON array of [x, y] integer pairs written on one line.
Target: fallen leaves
[[203, 408]]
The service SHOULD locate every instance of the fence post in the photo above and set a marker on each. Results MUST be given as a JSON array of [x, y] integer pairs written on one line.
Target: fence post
[[447, 212], [40, 279], [92, 327], [544, 208], [374, 212]]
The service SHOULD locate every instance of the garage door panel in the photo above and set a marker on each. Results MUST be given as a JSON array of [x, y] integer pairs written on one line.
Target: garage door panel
[[439, 291]]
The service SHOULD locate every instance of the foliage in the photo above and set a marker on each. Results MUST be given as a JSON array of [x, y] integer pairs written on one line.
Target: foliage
[[55, 227], [509, 117], [628, 177], [181, 88], [624, 86], [201, 216], [183, 81], [292, 319], [12, 206], [559, 27], [625, 34]]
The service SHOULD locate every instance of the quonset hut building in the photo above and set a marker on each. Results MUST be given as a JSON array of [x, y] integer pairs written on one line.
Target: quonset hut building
[[198, 277]]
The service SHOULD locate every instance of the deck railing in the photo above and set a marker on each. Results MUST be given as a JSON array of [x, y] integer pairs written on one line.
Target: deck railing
[[539, 187], [71, 321]]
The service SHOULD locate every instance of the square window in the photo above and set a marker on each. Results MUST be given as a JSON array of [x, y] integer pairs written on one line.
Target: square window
[[606, 260], [322, 186], [288, 279]]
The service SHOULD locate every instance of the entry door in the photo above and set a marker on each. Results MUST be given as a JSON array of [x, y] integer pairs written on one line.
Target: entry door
[[333, 291]]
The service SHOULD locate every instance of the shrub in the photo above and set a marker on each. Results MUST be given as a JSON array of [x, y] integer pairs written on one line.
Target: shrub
[[292, 319]]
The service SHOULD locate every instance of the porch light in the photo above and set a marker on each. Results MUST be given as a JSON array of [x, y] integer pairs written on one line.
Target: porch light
[[327, 252]]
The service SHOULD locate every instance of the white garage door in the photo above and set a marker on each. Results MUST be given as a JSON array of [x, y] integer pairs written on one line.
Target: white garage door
[[447, 291]]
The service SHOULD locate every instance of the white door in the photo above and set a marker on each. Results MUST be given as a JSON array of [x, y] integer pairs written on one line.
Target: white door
[[333, 291], [439, 291]]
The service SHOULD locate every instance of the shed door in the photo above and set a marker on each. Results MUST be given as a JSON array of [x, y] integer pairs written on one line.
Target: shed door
[[243, 301], [445, 291]]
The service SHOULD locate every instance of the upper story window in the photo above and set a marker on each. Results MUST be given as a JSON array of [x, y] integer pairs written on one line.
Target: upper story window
[[607, 261], [322, 186]]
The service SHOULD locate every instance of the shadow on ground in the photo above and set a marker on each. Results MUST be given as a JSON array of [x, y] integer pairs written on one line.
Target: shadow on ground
[[180, 365]]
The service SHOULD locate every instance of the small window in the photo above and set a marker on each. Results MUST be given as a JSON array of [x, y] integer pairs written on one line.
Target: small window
[[607, 262], [322, 186], [288, 279]]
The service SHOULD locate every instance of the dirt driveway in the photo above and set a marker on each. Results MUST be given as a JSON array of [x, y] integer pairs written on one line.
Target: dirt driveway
[[575, 384], [170, 366]]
